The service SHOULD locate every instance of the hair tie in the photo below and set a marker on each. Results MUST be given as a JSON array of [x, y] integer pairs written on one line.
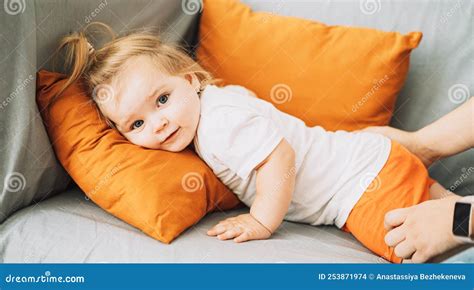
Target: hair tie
[[199, 91], [91, 48]]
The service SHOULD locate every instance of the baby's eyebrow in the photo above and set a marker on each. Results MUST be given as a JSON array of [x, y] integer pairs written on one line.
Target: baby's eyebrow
[[129, 117]]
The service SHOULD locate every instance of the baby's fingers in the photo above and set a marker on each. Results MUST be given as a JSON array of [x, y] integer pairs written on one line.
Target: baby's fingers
[[219, 229], [229, 234], [242, 238]]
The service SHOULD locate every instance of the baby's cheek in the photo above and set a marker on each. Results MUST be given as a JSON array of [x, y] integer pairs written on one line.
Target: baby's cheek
[[137, 140]]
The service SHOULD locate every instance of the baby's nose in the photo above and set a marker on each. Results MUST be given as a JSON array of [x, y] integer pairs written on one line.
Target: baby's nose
[[160, 125]]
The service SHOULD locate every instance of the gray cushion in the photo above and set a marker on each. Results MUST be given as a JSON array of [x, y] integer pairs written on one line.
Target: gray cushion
[[29, 32], [441, 64]]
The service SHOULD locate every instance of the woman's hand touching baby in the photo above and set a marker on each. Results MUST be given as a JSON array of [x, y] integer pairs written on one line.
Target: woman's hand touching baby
[[447, 136], [240, 228]]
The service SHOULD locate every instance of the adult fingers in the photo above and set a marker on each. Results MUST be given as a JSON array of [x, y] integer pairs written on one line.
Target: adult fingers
[[419, 257], [395, 236], [404, 250], [395, 217]]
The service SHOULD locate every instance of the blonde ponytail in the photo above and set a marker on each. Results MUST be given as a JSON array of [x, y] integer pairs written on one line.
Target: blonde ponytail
[[78, 53]]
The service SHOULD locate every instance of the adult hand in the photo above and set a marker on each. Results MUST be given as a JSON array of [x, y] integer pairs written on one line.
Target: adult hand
[[241, 228], [422, 231]]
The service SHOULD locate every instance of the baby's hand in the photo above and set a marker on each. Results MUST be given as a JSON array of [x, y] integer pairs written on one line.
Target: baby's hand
[[241, 228]]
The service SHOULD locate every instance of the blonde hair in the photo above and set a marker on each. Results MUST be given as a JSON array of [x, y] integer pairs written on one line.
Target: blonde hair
[[99, 66]]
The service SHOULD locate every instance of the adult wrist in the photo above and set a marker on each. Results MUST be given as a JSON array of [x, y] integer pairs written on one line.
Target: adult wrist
[[463, 219], [425, 150]]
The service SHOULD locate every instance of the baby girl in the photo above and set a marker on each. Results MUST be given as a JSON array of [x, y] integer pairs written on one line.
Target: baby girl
[[158, 97]]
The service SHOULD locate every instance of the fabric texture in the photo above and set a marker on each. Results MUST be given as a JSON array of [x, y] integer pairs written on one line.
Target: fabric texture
[[402, 182], [332, 169], [29, 171], [336, 77], [159, 192]]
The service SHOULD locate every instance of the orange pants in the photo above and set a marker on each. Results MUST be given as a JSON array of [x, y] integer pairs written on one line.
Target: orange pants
[[402, 182]]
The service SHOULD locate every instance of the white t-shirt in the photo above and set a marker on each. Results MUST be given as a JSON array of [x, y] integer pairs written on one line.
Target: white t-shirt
[[237, 131]]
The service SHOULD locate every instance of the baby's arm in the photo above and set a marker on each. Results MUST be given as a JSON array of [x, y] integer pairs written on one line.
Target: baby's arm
[[275, 184]]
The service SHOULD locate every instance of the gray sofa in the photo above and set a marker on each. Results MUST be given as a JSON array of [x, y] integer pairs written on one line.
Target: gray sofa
[[45, 217]]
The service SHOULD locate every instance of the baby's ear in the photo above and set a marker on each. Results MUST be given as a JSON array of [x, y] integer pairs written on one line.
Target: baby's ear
[[193, 80]]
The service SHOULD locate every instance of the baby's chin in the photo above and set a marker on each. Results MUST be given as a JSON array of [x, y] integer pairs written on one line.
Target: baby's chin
[[177, 146]]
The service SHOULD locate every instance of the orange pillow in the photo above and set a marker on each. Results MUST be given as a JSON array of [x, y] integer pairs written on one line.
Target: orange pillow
[[332, 76], [161, 193]]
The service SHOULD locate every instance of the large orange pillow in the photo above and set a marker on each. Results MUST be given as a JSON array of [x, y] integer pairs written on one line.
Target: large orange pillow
[[333, 76], [161, 193]]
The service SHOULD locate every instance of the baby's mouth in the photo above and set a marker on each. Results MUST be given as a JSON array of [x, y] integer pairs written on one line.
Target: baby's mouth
[[171, 136]]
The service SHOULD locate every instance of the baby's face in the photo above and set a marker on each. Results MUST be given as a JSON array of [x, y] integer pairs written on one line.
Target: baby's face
[[151, 108]]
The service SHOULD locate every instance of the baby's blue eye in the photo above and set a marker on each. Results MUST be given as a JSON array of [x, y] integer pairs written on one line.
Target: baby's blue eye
[[136, 124], [163, 99]]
